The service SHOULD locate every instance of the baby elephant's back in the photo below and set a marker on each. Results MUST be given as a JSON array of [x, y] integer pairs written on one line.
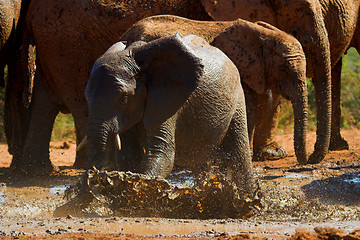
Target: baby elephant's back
[[207, 113]]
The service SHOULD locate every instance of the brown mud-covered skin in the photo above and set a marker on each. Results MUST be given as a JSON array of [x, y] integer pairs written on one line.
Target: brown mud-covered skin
[[306, 20], [271, 63], [10, 27], [173, 101], [69, 37], [12, 14]]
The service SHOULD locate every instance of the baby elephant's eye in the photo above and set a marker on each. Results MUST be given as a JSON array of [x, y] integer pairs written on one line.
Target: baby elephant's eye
[[123, 100]]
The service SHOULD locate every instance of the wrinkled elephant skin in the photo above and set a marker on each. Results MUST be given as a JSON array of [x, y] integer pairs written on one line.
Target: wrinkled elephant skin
[[269, 61], [174, 100], [12, 15], [307, 19], [69, 37]]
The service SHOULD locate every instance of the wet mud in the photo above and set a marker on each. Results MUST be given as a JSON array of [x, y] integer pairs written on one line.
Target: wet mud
[[299, 202], [128, 194]]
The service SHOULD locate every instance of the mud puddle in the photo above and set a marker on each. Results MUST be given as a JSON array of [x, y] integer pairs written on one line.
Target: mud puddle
[[295, 197], [129, 194]]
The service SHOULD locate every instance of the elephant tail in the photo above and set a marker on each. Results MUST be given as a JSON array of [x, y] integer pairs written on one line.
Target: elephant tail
[[28, 66]]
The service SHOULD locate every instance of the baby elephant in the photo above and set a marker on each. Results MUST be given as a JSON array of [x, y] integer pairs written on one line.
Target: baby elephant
[[271, 64], [174, 100]]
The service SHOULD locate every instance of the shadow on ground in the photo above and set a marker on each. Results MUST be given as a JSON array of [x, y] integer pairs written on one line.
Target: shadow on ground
[[344, 189], [65, 174]]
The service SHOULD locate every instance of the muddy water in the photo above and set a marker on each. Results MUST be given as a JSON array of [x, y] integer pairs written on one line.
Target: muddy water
[[295, 197], [300, 197], [29, 201]]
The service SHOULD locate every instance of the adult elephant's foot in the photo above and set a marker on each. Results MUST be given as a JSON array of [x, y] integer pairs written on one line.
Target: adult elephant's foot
[[27, 167], [270, 152], [338, 143]]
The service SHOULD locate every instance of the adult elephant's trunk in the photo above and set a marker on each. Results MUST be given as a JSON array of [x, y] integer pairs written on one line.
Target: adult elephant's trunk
[[322, 84], [300, 106], [323, 105]]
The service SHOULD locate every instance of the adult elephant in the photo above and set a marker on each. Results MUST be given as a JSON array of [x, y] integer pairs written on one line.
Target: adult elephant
[[174, 100], [69, 37], [341, 18], [267, 58], [325, 29], [12, 15]]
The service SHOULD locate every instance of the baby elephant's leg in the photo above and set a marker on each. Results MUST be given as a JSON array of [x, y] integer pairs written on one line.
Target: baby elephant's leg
[[235, 152]]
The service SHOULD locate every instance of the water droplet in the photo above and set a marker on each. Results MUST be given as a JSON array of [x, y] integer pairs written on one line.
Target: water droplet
[[58, 189]]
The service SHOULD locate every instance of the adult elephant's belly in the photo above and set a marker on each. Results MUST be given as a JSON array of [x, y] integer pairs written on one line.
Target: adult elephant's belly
[[201, 127]]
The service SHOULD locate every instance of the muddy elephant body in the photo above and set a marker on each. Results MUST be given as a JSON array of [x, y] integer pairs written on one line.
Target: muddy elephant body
[[69, 37], [325, 29], [9, 19], [69, 40], [12, 15], [172, 101], [342, 23], [269, 61]]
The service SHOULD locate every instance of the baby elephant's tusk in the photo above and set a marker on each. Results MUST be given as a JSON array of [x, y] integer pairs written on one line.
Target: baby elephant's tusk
[[82, 144], [117, 142]]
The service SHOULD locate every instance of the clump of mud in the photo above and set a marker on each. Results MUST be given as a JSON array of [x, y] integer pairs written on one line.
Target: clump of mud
[[323, 233], [136, 195]]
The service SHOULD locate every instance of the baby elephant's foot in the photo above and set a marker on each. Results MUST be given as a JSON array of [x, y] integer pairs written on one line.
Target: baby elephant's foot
[[270, 153], [338, 143], [80, 160]]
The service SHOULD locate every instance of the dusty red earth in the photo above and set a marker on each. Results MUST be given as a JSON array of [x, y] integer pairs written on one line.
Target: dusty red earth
[[299, 202]]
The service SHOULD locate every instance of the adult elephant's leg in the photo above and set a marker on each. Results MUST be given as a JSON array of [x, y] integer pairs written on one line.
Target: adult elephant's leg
[[2, 75], [16, 115], [35, 159], [336, 141], [267, 111], [80, 120], [250, 111], [322, 84]]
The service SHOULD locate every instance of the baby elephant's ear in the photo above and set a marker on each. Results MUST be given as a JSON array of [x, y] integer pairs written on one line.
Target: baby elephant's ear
[[172, 72]]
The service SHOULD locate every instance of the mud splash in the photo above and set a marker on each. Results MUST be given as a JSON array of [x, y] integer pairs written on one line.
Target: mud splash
[[59, 189], [2, 197], [136, 195], [353, 179], [180, 177]]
